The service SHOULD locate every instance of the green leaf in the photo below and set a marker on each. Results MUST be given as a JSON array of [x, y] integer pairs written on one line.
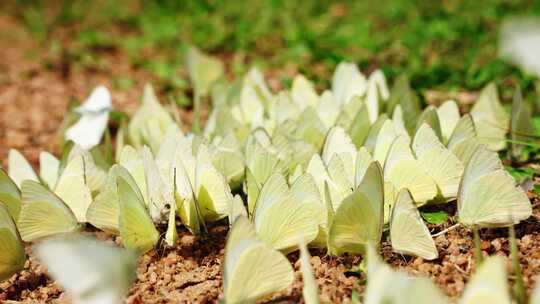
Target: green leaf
[[436, 218], [519, 174], [536, 190]]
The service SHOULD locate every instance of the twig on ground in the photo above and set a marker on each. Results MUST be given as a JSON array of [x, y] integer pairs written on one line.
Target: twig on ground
[[453, 227]]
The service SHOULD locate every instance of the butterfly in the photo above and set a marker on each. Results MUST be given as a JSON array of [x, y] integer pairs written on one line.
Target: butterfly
[[401, 94], [252, 269], [408, 233], [380, 138], [359, 218], [348, 82], [43, 213], [376, 94], [203, 70], [19, 169], [521, 127], [448, 114], [488, 284], [403, 170], [12, 256], [89, 129], [438, 162], [89, 270], [488, 195], [303, 92], [228, 158], [73, 189], [519, 44], [490, 118], [149, 124], [10, 195], [134, 222], [103, 212], [405, 289], [464, 139], [159, 184], [283, 215]]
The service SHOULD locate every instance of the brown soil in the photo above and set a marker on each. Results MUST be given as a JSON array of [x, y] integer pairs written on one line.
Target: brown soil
[[33, 101]]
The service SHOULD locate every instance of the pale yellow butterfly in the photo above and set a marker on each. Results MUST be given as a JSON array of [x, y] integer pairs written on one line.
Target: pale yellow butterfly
[[404, 171], [19, 169], [359, 218], [281, 220], [12, 256], [448, 113], [488, 284], [490, 118], [136, 227], [438, 162], [408, 233], [405, 289], [10, 195], [464, 140], [488, 195], [43, 213], [252, 270]]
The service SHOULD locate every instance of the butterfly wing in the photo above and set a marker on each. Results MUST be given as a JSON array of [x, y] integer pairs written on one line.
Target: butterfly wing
[[89, 270], [348, 82], [355, 224], [94, 175], [10, 195], [12, 256], [448, 113], [408, 233], [212, 191], [73, 189], [464, 141], [439, 163], [49, 167], [488, 284], [488, 195], [103, 211], [19, 169], [252, 269], [490, 118], [43, 213], [385, 138], [404, 171], [136, 227], [131, 160], [160, 193], [303, 92], [363, 160]]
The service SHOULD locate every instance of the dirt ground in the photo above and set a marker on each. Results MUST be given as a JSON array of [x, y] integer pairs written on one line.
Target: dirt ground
[[33, 101]]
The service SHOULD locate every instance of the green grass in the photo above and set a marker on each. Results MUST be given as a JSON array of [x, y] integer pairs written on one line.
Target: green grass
[[445, 45]]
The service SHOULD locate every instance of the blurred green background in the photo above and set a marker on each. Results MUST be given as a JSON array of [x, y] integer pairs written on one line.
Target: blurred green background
[[442, 45]]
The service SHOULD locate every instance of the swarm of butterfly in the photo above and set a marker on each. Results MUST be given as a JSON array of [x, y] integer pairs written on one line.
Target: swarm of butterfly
[[287, 170]]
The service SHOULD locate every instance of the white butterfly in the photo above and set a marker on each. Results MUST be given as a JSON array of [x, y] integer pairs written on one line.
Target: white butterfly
[[88, 130]]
